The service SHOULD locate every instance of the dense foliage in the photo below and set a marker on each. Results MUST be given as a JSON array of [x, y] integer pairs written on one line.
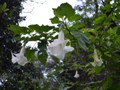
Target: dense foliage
[[9, 14], [92, 29]]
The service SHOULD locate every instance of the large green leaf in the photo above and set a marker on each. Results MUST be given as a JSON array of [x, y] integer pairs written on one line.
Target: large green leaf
[[40, 29], [82, 39], [74, 17], [19, 29], [55, 20], [64, 9]]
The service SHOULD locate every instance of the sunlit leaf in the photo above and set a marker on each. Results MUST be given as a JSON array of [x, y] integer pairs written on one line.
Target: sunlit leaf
[[74, 17], [64, 9], [55, 20]]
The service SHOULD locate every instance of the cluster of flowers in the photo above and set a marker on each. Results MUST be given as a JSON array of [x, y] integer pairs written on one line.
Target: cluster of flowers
[[58, 49]]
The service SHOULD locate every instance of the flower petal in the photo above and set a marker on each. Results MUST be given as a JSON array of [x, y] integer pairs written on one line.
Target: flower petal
[[100, 62], [61, 35], [95, 55], [36, 55], [57, 51], [22, 60], [68, 49], [22, 51], [93, 64], [97, 61], [14, 59]]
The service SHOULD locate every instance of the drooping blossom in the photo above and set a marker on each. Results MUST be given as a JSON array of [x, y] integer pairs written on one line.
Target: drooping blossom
[[58, 47], [19, 57], [97, 61], [76, 74]]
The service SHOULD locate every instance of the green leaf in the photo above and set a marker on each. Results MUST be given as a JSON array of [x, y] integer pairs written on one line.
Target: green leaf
[[40, 29], [98, 69], [30, 54], [82, 39], [34, 38], [78, 25], [42, 45], [64, 9], [74, 17], [107, 8], [34, 27], [99, 20], [55, 58], [55, 20], [19, 38], [117, 29], [19, 29], [43, 57], [3, 7]]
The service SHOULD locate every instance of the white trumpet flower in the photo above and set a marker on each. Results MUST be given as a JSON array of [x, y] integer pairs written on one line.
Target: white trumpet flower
[[76, 74], [19, 58], [58, 47], [97, 62]]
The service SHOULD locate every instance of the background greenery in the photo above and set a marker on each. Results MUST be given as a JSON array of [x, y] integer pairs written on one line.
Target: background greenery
[[94, 24]]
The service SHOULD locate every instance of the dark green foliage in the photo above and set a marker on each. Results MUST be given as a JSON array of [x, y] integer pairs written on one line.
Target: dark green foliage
[[82, 39], [9, 14], [21, 78]]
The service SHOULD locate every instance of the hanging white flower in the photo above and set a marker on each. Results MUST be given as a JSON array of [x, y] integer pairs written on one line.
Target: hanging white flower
[[97, 61], [58, 47], [19, 58], [76, 74]]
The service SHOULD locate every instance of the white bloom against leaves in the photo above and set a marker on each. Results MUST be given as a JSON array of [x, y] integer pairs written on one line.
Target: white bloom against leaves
[[97, 61], [58, 47], [19, 58], [76, 74]]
